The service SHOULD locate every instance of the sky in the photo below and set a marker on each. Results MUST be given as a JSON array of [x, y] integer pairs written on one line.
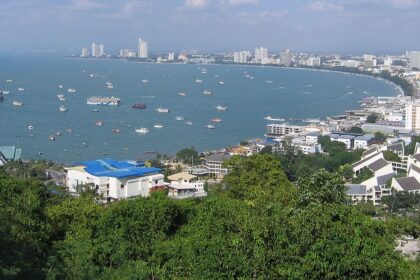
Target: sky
[[340, 26]]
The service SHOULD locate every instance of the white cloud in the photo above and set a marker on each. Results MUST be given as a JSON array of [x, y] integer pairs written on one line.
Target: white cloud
[[404, 3], [195, 3], [324, 6], [243, 2], [85, 5]]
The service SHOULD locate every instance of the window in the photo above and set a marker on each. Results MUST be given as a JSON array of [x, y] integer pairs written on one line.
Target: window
[[107, 185], [156, 182], [97, 187], [122, 186]]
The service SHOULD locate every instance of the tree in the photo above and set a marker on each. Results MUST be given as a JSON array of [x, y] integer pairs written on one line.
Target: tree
[[356, 129], [187, 155], [391, 156], [346, 171], [334, 147], [372, 118], [324, 140], [266, 150], [380, 137], [364, 175]]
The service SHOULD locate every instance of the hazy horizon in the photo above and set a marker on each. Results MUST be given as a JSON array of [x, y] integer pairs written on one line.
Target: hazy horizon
[[340, 26]]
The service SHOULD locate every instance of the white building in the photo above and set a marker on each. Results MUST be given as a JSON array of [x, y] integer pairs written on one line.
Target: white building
[[363, 142], [412, 116], [171, 56], [127, 53], [261, 54], [101, 50], [214, 163], [369, 63], [285, 57], [388, 61], [184, 185], [349, 63], [314, 61], [95, 50], [414, 57], [241, 57], [312, 137], [276, 130], [359, 193], [347, 139], [143, 51], [114, 180], [85, 52]]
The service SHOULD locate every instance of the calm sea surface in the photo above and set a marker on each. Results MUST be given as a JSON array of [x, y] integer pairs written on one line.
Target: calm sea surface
[[290, 93]]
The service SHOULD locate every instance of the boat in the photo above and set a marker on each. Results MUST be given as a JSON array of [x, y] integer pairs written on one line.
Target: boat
[[99, 123], [207, 92], [198, 81], [17, 103], [99, 100], [142, 130], [108, 83], [210, 126], [30, 127], [221, 82], [158, 125], [182, 94], [188, 122], [51, 138], [61, 97], [58, 133], [115, 130], [63, 109], [69, 130], [162, 110], [311, 120], [139, 106], [71, 90], [95, 110], [269, 118], [110, 86], [221, 108], [145, 81], [5, 92], [9, 81], [60, 86], [21, 89], [179, 118], [269, 82], [216, 120]]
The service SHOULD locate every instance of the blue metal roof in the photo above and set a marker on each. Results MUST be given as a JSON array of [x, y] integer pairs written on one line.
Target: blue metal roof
[[117, 169], [11, 152]]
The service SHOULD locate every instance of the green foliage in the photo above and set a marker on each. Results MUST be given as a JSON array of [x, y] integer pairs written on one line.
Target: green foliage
[[391, 156], [187, 154], [346, 171], [364, 175], [409, 149], [401, 201], [380, 137], [356, 129], [324, 140], [334, 147], [266, 150], [372, 118]]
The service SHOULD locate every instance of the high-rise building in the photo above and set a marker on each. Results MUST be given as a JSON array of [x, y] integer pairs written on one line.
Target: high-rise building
[[171, 56], [101, 50], [414, 57], [285, 57], [261, 54], [388, 61], [85, 52], [241, 57], [412, 116], [143, 51], [314, 61], [95, 50]]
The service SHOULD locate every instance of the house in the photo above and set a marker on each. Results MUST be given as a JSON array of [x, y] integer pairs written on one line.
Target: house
[[397, 148], [362, 193], [407, 184], [364, 141], [9, 153], [113, 179], [306, 147], [312, 137], [347, 139], [183, 185], [214, 163]]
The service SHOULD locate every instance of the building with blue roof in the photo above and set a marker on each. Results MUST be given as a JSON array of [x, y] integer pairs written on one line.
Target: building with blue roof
[[114, 179], [9, 153]]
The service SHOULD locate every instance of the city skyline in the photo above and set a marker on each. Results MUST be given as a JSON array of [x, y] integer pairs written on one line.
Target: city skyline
[[212, 25]]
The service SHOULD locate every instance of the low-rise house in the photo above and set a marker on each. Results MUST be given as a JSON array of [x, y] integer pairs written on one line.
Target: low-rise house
[[9, 153], [114, 180], [312, 137], [183, 185], [397, 148], [364, 141], [305, 147], [407, 184], [360, 193], [347, 139], [214, 163]]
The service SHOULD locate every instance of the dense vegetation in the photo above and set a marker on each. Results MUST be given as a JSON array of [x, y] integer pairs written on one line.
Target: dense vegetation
[[256, 225]]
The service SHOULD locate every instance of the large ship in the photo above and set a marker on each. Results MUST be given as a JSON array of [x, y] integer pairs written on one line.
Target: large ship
[[99, 100], [139, 106]]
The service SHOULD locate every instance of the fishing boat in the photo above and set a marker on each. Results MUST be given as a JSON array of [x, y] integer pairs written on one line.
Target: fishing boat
[[17, 103], [162, 110], [158, 125], [179, 118], [21, 89], [71, 90], [139, 106], [142, 130], [216, 120], [210, 126], [99, 123], [221, 108], [207, 92], [63, 109], [182, 94]]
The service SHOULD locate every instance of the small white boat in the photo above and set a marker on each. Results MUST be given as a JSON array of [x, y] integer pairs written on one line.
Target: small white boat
[[221, 82], [60, 86], [162, 110], [188, 122], [269, 118], [182, 94], [207, 92], [30, 127], [269, 82], [61, 97], [21, 89], [17, 103], [58, 133], [158, 125], [71, 90], [216, 120], [210, 126], [99, 123], [110, 86], [5, 92], [69, 130], [198, 81], [51, 138], [179, 118], [9, 81], [145, 81], [221, 108], [142, 130], [108, 83], [63, 109], [115, 130]]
